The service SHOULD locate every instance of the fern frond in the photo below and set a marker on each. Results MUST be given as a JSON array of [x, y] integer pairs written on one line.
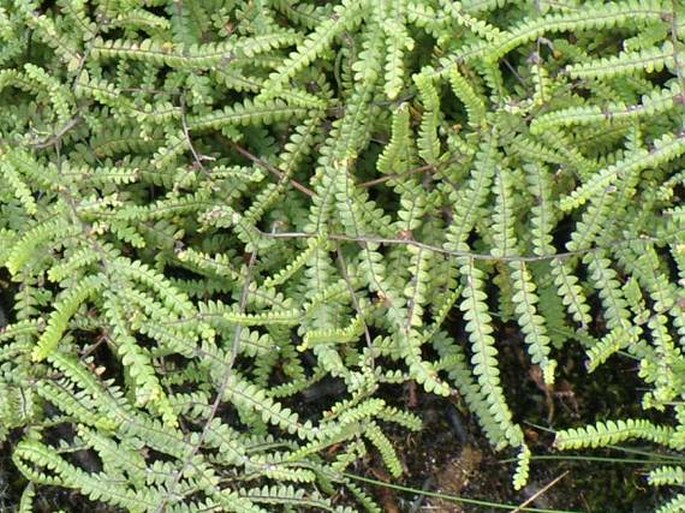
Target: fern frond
[[397, 154], [605, 280], [246, 395], [612, 432], [384, 447], [652, 104], [503, 217], [522, 467], [543, 215], [665, 149], [673, 505], [147, 388], [35, 453], [479, 328], [474, 104], [15, 182], [428, 142], [193, 56], [532, 324], [666, 475], [67, 48], [248, 113], [66, 306], [571, 293], [333, 336], [599, 16], [42, 234], [390, 18], [468, 201], [344, 17], [600, 351], [648, 60]]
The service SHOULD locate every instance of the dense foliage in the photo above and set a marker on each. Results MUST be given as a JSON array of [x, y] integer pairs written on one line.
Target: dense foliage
[[210, 207]]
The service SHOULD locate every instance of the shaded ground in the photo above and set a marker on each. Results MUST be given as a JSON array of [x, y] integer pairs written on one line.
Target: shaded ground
[[451, 454]]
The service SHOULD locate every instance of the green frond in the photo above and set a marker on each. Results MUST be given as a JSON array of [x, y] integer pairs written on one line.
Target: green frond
[[397, 154], [344, 17], [467, 203], [570, 291], [543, 215], [248, 113], [348, 413], [652, 104], [463, 17], [116, 457], [667, 380], [474, 104], [38, 454], [18, 406], [592, 17], [648, 60], [390, 17], [74, 263], [612, 432], [363, 497], [484, 360], [665, 149], [142, 20], [289, 317], [296, 475], [400, 417], [643, 262], [531, 322], [422, 14], [503, 216], [522, 467], [666, 475], [384, 447], [196, 56], [673, 505], [416, 291], [147, 389], [605, 279], [422, 371], [67, 48], [600, 351], [17, 184], [80, 405], [287, 496], [543, 84], [249, 397], [349, 333], [65, 307], [428, 142], [218, 267], [34, 239], [313, 245], [107, 398], [27, 498], [136, 271]]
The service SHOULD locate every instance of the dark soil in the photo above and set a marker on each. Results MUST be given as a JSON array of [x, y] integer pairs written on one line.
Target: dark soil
[[452, 456]]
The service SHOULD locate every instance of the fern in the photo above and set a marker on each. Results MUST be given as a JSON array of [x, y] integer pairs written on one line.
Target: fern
[[209, 209]]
